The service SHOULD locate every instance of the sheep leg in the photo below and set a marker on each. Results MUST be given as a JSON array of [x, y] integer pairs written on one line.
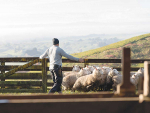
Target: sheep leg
[[105, 88], [89, 87], [72, 90]]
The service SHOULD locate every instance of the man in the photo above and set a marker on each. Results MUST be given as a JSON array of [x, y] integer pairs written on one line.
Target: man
[[55, 54]]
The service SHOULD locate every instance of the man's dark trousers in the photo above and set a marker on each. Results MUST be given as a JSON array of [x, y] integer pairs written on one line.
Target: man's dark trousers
[[57, 79]]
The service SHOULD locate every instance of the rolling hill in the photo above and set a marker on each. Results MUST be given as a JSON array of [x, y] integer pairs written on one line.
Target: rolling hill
[[140, 49]]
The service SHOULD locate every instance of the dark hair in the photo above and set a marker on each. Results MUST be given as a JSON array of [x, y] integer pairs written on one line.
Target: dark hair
[[55, 41]]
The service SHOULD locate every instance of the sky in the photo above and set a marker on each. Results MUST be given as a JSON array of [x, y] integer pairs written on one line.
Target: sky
[[27, 19]]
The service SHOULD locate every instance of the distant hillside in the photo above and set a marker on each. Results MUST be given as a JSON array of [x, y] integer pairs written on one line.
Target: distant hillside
[[140, 49], [74, 44]]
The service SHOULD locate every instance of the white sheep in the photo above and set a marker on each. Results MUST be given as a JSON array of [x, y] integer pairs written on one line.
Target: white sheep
[[141, 72], [116, 80], [105, 70], [75, 70], [113, 72], [108, 69], [111, 78], [100, 83], [134, 79], [99, 68], [90, 68], [69, 80], [85, 83]]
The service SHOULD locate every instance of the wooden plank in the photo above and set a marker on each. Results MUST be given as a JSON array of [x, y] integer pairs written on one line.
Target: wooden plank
[[26, 59], [146, 90], [95, 61], [24, 83], [25, 76], [20, 90], [126, 88], [93, 105], [50, 84], [56, 96], [86, 62], [139, 60], [66, 68], [140, 85], [107, 61], [44, 75], [3, 72], [32, 68], [146, 106], [21, 83], [18, 59]]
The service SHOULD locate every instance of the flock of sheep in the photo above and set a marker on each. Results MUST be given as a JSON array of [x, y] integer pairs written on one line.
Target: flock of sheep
[[92, 78]]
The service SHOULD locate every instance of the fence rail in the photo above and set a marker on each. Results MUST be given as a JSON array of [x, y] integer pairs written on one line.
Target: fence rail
[[27, 59]]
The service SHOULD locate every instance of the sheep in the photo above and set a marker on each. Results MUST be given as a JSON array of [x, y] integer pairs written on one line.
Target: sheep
[[102, 82], [113, 72], [70, 79], [134, 79], [112, 79], [99, 83], [85, 83], [90, 68], [107, 69], [75, 70], [99, 68], [141, 72], [116, 80]]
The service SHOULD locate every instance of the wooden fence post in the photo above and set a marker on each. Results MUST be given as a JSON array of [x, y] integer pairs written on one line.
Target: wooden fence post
[[2, 72], [44, 75], [146, 87], [85, 62], [126, 88], [140, 86]]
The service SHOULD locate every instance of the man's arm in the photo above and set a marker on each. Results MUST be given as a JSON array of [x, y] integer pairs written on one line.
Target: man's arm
[[63, 53], [44, 55]]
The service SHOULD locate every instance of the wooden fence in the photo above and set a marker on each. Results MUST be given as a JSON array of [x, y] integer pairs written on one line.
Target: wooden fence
[[123, 101], [36, 80]]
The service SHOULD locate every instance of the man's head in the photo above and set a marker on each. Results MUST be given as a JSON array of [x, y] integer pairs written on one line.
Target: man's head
[[55, 41]]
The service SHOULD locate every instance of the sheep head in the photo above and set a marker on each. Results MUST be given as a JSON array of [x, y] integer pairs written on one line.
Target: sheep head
[[76, 68], [96, 73], [84, 71], [141, 71], [90, 68], [113, 72]]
